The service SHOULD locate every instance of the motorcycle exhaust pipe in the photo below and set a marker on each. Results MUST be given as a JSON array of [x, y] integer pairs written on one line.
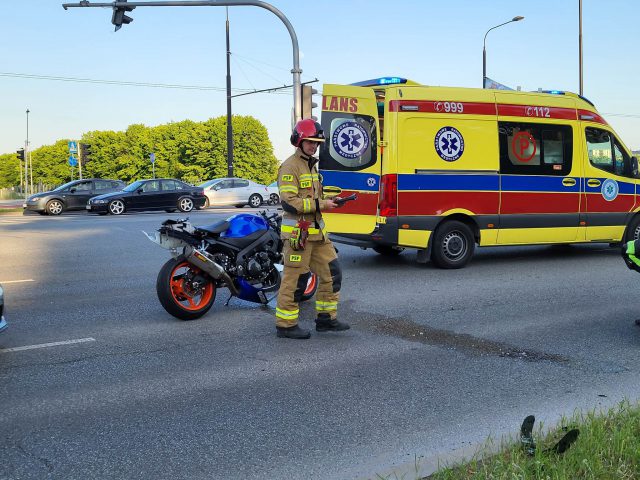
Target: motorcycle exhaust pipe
[[203, 261]]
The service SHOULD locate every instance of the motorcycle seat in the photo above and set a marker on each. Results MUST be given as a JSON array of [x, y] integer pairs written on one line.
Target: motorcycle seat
[[215, 228]]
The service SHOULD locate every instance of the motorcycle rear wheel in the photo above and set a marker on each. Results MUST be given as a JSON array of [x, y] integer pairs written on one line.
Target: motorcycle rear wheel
[[312, 286], [178, 295]]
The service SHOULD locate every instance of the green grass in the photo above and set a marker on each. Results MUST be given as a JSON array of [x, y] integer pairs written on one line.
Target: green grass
[[10, 210], [608, 447]]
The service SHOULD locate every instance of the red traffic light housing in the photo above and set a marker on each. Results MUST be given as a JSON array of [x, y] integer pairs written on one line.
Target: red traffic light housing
[[119, 16]]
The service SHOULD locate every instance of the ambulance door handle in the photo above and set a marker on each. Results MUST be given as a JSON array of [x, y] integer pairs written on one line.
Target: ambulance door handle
[[568, 182], [593, 182], [330, 191]]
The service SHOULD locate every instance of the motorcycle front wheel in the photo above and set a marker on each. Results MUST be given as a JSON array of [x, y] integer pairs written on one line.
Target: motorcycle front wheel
[[184, 290]]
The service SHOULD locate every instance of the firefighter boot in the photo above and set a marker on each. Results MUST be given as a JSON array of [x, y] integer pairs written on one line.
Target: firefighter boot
[[324, 323], [294, 332]]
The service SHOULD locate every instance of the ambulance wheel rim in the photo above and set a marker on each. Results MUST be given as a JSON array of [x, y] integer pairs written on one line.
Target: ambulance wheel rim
[[454, 245]]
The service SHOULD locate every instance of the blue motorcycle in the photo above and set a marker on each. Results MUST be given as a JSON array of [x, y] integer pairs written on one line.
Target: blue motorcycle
[[242, 253]]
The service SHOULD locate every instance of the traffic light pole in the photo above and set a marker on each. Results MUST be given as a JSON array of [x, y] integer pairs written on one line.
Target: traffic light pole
[[296, 71], [80, 159], [229, 118]]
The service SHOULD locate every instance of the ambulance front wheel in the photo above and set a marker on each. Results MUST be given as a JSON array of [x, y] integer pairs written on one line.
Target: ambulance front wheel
[[453, 245]]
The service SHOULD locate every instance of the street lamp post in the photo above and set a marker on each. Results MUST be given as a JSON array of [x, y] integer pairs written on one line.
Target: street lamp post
[[484, 47], [26, 160]]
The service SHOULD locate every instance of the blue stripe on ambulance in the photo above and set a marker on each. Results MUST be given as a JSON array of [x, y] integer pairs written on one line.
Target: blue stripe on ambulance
[[538, 183], [443, 181], [623, 187], [368, 182]]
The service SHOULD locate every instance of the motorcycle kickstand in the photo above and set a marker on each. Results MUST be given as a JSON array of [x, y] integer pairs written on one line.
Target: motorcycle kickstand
[[226, 304]]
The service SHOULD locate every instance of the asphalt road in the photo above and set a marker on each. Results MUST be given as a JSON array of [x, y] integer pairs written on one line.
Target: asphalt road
[[435, 361]]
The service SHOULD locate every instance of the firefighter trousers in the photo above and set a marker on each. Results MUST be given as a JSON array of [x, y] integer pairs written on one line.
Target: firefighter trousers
[[320, 258]]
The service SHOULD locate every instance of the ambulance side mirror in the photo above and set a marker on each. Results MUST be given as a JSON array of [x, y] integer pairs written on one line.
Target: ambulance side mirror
[[634, 166]]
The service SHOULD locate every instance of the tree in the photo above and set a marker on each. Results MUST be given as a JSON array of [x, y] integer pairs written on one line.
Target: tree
[[9, 170], [191, 151]]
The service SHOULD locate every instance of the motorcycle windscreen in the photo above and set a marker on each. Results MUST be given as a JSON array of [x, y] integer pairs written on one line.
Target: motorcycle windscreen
[[350, 157]]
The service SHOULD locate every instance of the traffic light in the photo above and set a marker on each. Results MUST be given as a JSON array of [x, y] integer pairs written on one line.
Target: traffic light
[[119, 16], [85, 153], [20, 154], [307, 102]]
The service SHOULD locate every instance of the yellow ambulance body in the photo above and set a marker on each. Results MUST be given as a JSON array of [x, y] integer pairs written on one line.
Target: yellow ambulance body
[[442, 169]]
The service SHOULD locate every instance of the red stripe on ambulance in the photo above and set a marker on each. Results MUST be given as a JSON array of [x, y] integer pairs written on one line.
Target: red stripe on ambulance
[[588, 116], [439, 202], [442, 106], [483, 108], [536, 111], [539, 202], [365, 204]]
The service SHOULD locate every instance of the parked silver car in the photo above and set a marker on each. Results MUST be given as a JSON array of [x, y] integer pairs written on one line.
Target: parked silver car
[[274, 193], [234, 191]]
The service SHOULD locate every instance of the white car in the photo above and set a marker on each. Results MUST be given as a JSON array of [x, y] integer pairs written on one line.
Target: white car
[[234, 191], [274, 193]]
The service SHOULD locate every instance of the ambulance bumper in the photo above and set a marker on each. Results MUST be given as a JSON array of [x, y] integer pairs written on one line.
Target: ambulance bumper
[[362, 241], [382, 235]]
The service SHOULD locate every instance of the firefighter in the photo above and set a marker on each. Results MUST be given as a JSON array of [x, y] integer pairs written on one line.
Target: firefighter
[[630, 253], [306, 245]]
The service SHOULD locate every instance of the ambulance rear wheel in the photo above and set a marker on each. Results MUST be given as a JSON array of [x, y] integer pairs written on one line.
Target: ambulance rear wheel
[[453, 245], [633, 230]]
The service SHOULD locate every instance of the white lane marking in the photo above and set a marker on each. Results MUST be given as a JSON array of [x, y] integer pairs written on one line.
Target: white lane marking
[[45, 345], [4, 282]]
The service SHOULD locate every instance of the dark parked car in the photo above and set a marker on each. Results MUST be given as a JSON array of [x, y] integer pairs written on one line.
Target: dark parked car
[[3, 322], [157, 194], [70, 196]]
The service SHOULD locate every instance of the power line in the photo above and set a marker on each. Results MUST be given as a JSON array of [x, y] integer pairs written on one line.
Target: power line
[[190, 87], [625, 115], [125, 83]]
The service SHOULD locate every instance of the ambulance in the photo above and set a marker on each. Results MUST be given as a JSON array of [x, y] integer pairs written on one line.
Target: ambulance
[[441, 170]]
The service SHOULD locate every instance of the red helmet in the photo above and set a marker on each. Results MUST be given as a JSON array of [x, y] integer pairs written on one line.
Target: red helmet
[[307, 129]]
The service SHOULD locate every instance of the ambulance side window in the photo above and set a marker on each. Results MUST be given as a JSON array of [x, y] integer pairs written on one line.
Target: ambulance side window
[[622, 164], [606, 153], [351, 142], [535, 148]]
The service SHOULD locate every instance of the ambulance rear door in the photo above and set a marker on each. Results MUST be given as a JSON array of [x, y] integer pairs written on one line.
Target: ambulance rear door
[[350, 159]]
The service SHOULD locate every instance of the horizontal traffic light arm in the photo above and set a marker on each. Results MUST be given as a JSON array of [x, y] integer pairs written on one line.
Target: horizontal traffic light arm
[[295, 71]]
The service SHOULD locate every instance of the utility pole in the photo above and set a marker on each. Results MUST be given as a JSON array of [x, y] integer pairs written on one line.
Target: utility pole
[[229, 124], [580, 40]]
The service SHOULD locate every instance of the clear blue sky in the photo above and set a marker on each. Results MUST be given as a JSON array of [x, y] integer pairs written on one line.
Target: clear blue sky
[[341, 41]]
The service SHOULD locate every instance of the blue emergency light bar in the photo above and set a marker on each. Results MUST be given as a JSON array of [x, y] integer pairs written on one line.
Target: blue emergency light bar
[[380, 81], [560, 92]]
